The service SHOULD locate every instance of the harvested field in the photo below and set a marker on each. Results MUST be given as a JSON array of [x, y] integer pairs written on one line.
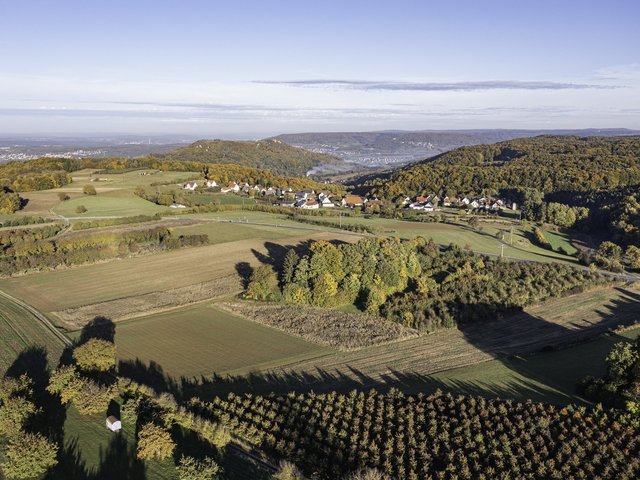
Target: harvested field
[[88, 284], [149, 303], [19, 329], [556, 323], [202, 340], [333, 328]]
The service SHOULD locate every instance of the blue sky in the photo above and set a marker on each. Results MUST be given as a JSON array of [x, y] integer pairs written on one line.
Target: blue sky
[[257, 68]]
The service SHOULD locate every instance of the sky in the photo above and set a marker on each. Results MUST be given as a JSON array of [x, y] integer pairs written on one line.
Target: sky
[[249, 69]]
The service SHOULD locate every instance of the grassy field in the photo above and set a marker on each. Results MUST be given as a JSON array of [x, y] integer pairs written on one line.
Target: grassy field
[[84, 285], [201, 340], [19, 329], [221, 232], [110, 203], [414, 364]]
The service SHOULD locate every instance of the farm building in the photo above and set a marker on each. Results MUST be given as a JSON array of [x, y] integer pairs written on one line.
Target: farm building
[[113, 423]]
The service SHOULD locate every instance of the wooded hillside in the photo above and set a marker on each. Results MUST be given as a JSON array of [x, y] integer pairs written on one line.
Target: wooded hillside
[[547, 163], [272, 155]]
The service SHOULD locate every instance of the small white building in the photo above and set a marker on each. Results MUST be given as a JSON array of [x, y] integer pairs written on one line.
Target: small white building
[[211, 183], [190, 186], [113, 424]]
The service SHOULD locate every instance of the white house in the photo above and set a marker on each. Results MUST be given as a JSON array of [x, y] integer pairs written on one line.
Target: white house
[[113, 424], [190, 186], [232, 187], [310, 205], [211, 183], [326, 202]]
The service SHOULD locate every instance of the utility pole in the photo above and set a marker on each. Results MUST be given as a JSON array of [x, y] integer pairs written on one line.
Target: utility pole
[[501, 250], [511, 237], [340, 217]]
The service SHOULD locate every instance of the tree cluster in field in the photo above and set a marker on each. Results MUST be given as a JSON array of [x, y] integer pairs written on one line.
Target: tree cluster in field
[[20, 242], [414, 282], [620, 386], [110, 222], [438, 436], [24, 454], [28, 253]]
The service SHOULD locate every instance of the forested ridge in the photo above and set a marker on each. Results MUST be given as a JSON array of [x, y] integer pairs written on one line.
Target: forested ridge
[[547, 163], [272, 155], [46, 173]]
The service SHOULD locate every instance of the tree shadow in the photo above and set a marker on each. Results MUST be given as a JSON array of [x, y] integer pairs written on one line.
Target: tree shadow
[[244, 271], [100, 327]]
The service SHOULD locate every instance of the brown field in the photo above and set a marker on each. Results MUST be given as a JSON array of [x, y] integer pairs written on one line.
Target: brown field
[[89, 284], [550, 325], [149, 303], [332, 328]]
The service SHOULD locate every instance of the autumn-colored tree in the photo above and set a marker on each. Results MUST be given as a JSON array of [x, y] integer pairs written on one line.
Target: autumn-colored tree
[[89, 190], [154, 442], [28, 456], [287, 471], [95, 355], [190, 468], [263, 284]]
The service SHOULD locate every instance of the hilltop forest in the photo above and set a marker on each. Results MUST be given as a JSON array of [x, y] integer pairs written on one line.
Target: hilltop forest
[[272, 155]]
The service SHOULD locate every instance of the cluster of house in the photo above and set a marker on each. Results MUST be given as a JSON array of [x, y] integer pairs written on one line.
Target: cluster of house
[[310, 200], [430, 202], [286, 197]]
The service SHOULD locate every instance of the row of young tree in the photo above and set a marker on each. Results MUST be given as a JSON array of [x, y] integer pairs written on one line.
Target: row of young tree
[[415, 282], [438, 436], [28, 250]]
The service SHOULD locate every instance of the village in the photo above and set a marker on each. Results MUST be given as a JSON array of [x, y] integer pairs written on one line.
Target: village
[[311, 200]]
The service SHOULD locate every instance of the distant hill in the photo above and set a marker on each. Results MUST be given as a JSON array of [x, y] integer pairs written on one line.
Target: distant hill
[[548, 163], [272, 155], [398, 147]]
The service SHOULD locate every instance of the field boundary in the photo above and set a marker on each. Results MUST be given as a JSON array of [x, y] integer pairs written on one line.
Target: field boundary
[[39, 316]]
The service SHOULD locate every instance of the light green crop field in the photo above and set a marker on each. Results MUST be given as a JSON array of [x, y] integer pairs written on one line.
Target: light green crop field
[[109, 203], [221, 232], [19, 330], [201, 340]]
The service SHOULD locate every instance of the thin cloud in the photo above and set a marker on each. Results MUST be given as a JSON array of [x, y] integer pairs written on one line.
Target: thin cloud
[[437, 86]]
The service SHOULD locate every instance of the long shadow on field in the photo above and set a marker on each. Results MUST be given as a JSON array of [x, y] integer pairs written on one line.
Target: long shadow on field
[[549, 375]]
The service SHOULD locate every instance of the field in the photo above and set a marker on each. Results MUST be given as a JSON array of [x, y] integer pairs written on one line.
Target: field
[[49, 291], [414, 364], [19, 330], [202, 340]]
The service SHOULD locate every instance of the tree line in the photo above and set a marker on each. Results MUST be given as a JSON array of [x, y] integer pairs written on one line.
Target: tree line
[[27, 250]]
